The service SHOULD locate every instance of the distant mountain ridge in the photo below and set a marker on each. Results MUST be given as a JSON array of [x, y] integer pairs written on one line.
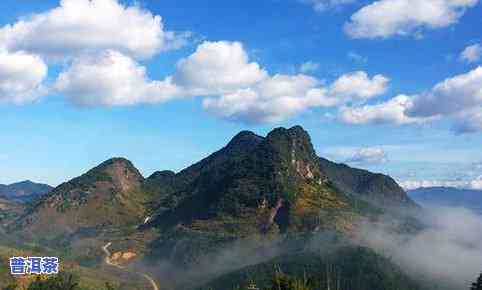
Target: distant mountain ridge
[[448, 196], [24, 191], [379, 188]]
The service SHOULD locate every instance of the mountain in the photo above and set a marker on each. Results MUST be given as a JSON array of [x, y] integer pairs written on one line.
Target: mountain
[[267, 186], [9, 211], [107, 195], [448, 196], [24, 191], [256, 192], [254, 185], [378, 188]]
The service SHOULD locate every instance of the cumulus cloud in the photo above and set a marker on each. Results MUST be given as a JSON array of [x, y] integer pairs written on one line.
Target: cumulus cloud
[[112, 79], [358, 85], [471, 53], [77, 26], [217, 67], [389, 112], [387, 18], [21, 77], [447, 250], [459, 97], [238, 89], [309, 66], [322, 5], [369, 156], [272, 100], [451, 96], [282, 96]]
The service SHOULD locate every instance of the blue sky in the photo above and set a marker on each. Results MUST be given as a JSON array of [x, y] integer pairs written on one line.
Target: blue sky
[[82, 81]]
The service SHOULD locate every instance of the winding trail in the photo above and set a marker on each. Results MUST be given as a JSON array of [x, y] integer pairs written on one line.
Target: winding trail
[[108, 261]]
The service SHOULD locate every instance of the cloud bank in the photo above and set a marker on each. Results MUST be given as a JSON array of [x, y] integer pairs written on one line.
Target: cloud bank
[[466, 184], [232, 86]]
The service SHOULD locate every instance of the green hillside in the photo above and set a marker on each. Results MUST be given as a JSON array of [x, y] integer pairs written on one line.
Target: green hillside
[[254, 192], [347, 267]]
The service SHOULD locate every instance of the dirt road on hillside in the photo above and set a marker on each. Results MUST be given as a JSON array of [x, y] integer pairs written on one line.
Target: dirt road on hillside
[[108, 261]]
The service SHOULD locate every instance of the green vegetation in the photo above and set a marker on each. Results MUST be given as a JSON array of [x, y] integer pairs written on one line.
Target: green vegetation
[[379, 188], [348, 268], [62, 281], [477, 285], [260, 189]]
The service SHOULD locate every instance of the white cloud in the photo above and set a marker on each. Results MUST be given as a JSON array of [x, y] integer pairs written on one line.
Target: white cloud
[[459, 97], [469, 122], [218, 67], [386, 18], [368, 156], [389, 112], [309, 66], [472, 53], [322, 5], [465, 184], [232, 86], [451, 96], [77, 26], [240, 90], [112, 79], [358, 85], [21, 77], [272, 100], [356, 57], [282, 96]]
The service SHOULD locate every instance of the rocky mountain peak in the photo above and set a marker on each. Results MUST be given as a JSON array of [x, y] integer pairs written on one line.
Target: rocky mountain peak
[[123, 174], [295, 147], [296, 139]]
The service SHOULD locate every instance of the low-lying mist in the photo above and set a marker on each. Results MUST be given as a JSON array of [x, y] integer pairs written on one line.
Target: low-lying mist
[[231, 257], [448, 250]]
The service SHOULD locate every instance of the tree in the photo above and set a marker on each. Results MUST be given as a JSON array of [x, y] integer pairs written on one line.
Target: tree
[[62, 281], [478, 284], [59, 282]]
